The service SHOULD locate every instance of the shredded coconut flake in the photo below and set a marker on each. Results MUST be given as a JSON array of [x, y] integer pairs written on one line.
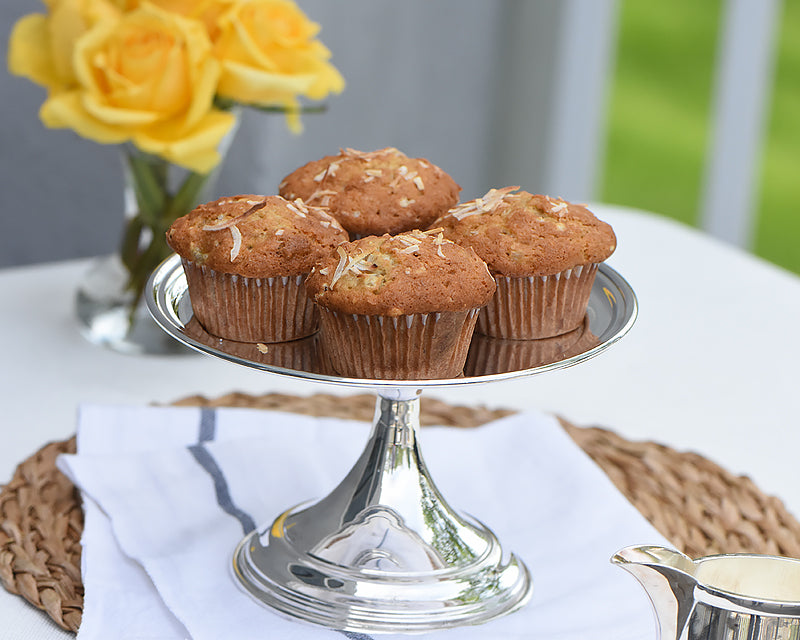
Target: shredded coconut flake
[[359, 264], [257, 204], [279, 232], [330, 170], [411, 240], [339, 267], [294, 209], [558, 208], [418, 183], [237, 242], [368, 155], [327, 220], [321, 194], [439, 241], [297, 202], [405, 240], [489, 202], [403, 174], [405, 202]]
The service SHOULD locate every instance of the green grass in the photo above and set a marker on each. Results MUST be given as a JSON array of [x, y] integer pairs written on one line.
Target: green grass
[[660, 99], [659, 112], [777, 235]]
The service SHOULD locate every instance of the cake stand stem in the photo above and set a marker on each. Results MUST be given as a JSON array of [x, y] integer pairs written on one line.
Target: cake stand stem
[[389, 490]]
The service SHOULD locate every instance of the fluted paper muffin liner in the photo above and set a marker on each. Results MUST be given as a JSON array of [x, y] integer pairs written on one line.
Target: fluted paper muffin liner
[[538, 306], [245, 309], [419, 346]]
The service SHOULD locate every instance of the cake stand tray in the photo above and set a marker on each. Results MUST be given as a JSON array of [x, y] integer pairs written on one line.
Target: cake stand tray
[[384, 552]]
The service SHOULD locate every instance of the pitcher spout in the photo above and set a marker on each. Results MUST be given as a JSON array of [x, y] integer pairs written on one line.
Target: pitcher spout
[[668, 578]]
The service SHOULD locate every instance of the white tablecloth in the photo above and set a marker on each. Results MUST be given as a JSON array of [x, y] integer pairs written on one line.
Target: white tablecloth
[[709, 366]]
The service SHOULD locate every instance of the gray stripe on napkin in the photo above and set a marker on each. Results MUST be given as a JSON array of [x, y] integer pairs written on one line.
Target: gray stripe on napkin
[[207, 432], [208, 425], [224, 500]]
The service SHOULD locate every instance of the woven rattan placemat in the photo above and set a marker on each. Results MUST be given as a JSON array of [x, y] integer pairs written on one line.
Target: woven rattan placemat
[[693, 502]]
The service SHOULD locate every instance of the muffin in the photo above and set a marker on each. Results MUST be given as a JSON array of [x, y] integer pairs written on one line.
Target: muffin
[[374, 193], [246, 258], [543, 252], [399, 307]]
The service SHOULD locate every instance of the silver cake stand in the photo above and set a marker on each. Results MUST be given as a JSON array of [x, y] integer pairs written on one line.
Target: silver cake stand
[[384, 551]]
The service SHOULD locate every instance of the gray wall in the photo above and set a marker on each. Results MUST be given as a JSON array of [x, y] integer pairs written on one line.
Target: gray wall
[[466, 83]]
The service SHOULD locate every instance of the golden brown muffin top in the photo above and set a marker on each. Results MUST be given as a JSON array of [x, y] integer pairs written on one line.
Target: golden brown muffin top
[[413, 272], [256, 236], [521, 234], [373, 193]]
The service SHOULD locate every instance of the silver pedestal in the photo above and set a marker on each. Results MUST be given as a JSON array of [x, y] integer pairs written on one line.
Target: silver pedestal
[[384, 551]]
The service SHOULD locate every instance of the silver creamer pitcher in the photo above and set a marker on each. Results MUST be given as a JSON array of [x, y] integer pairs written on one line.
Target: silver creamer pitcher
[[724, 597]]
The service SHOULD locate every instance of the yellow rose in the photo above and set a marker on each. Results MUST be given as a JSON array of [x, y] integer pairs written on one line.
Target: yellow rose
[[41, 46], [269, 55], [149, 78], [207, 11]]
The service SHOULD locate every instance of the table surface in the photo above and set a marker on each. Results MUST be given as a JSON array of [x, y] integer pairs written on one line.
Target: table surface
[[709, 366]]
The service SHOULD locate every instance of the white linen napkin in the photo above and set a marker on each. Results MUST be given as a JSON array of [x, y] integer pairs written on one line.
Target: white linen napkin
[[169, 492]]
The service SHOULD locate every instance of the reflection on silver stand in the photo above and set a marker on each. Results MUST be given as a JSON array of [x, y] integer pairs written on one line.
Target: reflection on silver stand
[[384, 552]]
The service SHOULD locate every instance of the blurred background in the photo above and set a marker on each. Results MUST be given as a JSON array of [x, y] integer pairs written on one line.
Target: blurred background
[[687, 109]]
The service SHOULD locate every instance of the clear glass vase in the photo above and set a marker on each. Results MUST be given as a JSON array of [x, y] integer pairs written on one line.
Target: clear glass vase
[[109, 300]]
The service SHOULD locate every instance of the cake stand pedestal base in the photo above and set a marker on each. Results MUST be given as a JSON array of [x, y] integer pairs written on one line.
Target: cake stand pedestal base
[[383, 552]]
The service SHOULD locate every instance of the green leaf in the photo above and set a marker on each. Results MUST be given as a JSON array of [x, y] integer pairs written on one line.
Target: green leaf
[[303, 109], [147, 261], [226, 104]]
